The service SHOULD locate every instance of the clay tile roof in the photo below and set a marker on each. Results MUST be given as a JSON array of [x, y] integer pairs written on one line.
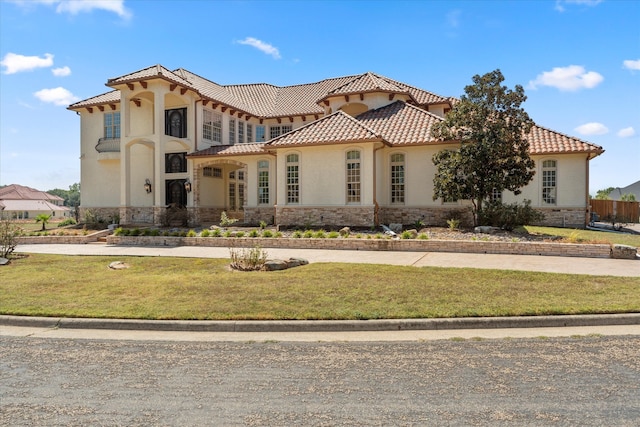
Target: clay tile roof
[[156, 71], [231, 150], [546, 141], [401, 123], [336, 128], [367, 82], [112, 97], [21, 192]]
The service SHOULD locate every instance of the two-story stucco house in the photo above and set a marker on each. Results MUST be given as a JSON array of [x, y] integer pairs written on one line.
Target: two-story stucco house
[[352, 150]]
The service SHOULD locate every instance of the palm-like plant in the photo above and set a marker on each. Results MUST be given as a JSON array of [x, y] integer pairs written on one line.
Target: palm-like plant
[[44, 219]]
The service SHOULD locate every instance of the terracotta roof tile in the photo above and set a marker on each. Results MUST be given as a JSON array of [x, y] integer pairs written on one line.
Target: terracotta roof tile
[[21, 192], [112, 97], [231, 150], [546, 141], [336, 128], [401, 123], [156, 71]]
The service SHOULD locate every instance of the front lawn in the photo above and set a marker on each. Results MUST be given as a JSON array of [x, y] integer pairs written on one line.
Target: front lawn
[[187, 288]]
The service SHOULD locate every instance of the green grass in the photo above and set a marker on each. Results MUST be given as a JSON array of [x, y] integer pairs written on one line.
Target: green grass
[[586, 236], [192, 288]]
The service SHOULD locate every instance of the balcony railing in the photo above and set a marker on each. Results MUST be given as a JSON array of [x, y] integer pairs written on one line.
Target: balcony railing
[[108, 145]]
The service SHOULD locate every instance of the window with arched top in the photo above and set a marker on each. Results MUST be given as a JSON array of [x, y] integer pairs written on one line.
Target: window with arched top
[[175, 122], [293, 178], [549, 182], [397, 178], [353, 176]]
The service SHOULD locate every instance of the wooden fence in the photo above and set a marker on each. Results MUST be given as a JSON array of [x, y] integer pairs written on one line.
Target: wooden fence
[[616, 210]]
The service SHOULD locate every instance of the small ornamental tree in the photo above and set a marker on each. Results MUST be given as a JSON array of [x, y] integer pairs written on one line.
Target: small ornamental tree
[[493, 155], [9, 233], [44, 219]]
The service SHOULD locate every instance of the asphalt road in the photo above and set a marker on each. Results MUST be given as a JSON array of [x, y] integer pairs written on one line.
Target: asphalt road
[[586, 381]]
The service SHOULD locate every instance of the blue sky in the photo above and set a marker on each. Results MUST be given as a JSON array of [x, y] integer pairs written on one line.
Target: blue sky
[[578, 60]]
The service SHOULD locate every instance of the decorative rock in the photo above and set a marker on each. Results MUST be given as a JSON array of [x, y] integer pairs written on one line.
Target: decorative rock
[[275, 265], [395, 227], [4, 261], [486, 229], [344, 232], [118, 265], [623, 252]]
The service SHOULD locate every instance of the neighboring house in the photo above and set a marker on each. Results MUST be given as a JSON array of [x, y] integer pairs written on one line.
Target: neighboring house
[[20, 202], [352, 150], [634, 189]]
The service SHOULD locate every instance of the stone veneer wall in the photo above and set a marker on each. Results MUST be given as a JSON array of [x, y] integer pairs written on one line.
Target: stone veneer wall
[[461, 246], [571, 218], [429, 216], [255, 215], [323, 216], [107, 214]]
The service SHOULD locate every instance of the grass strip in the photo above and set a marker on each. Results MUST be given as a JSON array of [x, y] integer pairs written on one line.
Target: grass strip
[[205, 289]]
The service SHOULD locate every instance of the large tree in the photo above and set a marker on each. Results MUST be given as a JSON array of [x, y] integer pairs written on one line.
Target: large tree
[[493, 155]]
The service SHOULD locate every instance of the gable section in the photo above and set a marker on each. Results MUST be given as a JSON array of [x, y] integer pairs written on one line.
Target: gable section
[[336, 128], [400, 123], [230, 150]]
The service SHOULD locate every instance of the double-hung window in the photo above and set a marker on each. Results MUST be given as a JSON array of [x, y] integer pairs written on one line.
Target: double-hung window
[[276, 131], [549, 182], [397, 178], [249, 132], [263, 182], [293, 178], [353, 176], [112, 125], [240, 131], [232, 131]]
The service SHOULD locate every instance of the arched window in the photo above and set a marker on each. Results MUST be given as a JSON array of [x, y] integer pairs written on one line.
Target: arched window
[[293, 179], [263, 182], [397, 178], [549, 182], [353, 176]]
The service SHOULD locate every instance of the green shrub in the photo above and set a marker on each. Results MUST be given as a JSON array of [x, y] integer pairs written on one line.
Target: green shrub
[[192, 233], [297, 234], [278, 234], [267, 233], [453, 223], [118, 231], [228, 233], [379, 236], [254, 233], [509, 216], [68, 221], [263, 225], [216, 233], [134, 232], [406, 234], [225, 221], [240, 234], [9, 233], [334, 234], [320, 234], [423, 236], [155, 232], [308, 234], [205, 233]]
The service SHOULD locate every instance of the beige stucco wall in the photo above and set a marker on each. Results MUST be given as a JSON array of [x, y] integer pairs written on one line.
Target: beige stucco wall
[[323, 174]]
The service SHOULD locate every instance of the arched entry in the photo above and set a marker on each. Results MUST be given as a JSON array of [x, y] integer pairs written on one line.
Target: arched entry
[[176, 195]]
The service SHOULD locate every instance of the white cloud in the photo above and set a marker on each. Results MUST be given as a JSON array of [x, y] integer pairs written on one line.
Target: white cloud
[[592, 128], [573, 77], [631, 64], [262, 46], [57, 96], [626, 132], [453, 18], [77, 6], [15, 63], [61, 72], [560, 4]]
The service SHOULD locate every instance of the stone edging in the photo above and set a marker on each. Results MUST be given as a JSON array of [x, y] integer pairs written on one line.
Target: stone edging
[[52, 239], [460, 246]]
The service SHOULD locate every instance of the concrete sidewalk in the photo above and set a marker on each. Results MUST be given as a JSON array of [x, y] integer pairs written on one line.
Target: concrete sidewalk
[[550, 264]]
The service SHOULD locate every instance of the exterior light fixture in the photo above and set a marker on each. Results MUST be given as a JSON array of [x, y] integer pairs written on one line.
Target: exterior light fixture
[[147, 185], [187, 186]]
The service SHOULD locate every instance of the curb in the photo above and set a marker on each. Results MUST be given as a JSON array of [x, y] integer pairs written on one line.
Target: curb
[[325, 325]]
